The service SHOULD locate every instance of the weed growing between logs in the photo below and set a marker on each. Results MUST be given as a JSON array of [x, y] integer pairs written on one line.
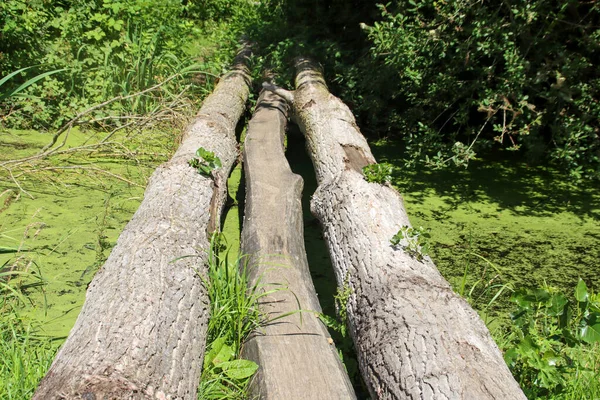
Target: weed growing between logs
[[234, 315], [346, 350]]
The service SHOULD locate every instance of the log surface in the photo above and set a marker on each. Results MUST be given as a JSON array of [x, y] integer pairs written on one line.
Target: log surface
[[141, 332], [296, 357], [415, 338]]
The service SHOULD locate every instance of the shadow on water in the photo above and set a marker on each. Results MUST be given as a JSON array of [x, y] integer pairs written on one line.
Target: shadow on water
[[316, 250], [503, 179], [319, 262], [530, 223]]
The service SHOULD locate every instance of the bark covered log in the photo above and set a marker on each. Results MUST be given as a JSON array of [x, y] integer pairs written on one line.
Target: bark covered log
[[294, 353], [415, 338], [141, 332]]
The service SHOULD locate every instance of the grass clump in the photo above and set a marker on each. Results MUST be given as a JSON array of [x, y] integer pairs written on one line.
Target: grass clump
[[24, 355], [234, 315]]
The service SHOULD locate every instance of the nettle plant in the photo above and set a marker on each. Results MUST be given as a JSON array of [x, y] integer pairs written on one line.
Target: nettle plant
[[554, 344], [205, 162], [378, 173], [416, 241]]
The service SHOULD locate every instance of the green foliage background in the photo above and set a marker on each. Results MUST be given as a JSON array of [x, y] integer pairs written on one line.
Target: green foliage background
[[452, 81], [105, 49]]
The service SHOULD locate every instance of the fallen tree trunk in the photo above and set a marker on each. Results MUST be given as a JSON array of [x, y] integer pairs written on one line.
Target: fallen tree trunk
[[296, 356], [415, 338], [141, 332]]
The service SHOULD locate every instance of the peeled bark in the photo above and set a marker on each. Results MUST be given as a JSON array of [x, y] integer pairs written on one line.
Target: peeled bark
[[296, 356], [142, 330], [415, 338]]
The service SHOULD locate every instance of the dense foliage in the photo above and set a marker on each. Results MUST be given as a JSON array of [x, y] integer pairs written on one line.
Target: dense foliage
[[523, 74], [455, 78], [553, 347], [102, 49]]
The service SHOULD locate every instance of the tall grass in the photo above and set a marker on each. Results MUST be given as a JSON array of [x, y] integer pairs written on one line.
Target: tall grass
[[148, 63], [24, 356]]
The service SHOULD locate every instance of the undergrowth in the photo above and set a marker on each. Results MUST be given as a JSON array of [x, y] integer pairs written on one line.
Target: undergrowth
[[551, 341], [60, 60]]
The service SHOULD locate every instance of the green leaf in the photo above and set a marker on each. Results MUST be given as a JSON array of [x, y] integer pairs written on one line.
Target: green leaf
[[6, 250], [7, 77], [581, 291], [590, 333], [215, 348], [32, 81], [557, 305], [511, 356], [205, 154], [329, 322], [527, 348], [225, 354], [239, 369], [569, 338]]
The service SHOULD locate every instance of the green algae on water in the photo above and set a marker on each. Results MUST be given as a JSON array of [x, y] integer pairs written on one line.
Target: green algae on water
[[68, 220]]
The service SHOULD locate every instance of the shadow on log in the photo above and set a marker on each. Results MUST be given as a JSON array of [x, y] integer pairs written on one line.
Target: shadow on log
[[415, 338], [296, 356], [142, 330]]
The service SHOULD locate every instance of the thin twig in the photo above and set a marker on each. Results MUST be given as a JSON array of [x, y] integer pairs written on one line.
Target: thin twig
[[17, 182]]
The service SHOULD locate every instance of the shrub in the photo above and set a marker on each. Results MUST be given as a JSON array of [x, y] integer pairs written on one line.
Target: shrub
[[520, 75], [553, 346]]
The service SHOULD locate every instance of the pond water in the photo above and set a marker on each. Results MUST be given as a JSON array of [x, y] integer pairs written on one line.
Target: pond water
[[500, 222], [69, 219], [504, 221]]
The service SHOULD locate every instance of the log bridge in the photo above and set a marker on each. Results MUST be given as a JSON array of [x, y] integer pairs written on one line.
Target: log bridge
[[141, 332]]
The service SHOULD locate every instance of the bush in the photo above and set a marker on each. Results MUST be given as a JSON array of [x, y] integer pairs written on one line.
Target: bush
[[103, 49], [553, 346], [520, 75]]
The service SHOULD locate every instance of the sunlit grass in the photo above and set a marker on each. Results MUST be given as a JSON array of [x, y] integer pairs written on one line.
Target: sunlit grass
[[24, 355]]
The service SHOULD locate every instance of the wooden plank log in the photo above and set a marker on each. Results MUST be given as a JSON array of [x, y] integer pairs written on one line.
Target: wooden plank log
[[296, 356], [415, 338], [142, 330]]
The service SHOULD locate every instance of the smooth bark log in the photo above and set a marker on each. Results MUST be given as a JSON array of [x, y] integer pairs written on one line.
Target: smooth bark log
[[415, 338], [295, 353], [141, 332]]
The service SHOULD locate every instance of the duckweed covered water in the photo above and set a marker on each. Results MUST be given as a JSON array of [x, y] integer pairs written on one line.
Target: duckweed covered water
[[504, 222], [66, 231]]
